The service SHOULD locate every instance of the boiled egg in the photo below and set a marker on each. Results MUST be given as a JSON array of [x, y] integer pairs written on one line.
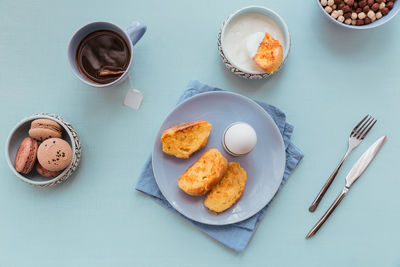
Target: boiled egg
[[239, 139]]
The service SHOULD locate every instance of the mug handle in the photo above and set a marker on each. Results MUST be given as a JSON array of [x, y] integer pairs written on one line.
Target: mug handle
[[135, 31]]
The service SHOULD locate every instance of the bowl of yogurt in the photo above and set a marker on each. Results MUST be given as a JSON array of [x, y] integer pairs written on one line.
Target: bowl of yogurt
[[241, 34]]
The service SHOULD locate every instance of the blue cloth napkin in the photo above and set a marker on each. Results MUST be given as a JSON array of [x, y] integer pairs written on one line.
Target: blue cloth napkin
[[235, 236]]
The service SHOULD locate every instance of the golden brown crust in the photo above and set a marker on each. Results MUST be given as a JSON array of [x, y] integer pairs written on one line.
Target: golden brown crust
[[180, 127], [269, 54], [228, 190], [199, 178], [184, 139]]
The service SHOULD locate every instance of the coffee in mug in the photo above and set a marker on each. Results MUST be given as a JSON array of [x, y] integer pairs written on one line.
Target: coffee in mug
[[103, 56], [101, 53]]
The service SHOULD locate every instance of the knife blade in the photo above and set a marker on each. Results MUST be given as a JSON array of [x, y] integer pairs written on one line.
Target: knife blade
[[364, 161], [356, 171]]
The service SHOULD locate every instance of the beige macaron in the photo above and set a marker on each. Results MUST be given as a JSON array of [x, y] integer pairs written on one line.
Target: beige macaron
[[42, 129], [54, 154]]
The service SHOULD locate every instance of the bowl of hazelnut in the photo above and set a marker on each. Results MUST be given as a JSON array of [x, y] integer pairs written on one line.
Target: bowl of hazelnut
[[360, 14]]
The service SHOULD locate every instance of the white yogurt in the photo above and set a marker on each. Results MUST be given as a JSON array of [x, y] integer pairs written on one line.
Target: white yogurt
[[241, 34], [253, 42]]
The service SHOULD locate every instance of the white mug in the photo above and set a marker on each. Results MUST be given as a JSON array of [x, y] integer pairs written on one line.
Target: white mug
[[131, 36]]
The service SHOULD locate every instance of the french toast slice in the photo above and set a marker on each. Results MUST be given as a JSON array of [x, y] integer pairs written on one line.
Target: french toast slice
[[204, 173], [269, 54], [184, 139], [228, 190]]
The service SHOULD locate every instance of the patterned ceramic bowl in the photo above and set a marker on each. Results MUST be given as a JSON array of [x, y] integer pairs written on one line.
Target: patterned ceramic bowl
[[376, 23], [20, 132], [230, 64]]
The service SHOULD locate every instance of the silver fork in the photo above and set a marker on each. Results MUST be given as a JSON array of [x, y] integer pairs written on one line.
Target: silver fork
[[356, 136]]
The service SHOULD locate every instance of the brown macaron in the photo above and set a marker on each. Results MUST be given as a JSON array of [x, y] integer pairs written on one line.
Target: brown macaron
[[26, 156], [42, 129], [54, 154], [46, 173]]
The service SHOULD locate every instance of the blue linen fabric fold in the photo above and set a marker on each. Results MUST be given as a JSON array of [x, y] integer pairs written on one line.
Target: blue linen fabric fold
[[235, 236]]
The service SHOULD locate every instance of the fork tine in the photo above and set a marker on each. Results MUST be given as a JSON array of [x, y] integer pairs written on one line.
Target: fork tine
[[364, 126], [362, 138], [356, 127]]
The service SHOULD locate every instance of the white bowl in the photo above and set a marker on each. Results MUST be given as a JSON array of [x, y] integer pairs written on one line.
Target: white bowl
[[20, 132], [230, 64]]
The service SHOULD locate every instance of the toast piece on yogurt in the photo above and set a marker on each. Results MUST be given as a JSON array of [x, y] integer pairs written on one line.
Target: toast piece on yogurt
[[269, 54]]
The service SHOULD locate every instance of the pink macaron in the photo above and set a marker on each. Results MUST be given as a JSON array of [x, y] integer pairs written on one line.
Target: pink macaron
[[26, 155], [46, 173]]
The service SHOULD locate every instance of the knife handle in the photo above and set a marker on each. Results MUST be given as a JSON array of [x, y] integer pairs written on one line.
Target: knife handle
[[325, 217], [328, 183]]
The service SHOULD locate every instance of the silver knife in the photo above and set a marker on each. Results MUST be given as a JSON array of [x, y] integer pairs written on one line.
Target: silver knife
[[351, 177]]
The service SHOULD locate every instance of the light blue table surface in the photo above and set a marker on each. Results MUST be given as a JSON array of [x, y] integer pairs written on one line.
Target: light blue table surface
[[332, 78]]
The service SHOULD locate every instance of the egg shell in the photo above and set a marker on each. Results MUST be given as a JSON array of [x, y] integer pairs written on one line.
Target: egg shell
[[240, 138]]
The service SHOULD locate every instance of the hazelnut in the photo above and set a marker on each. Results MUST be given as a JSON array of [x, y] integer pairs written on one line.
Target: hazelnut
[[389, 5], [330, 2], [371, 14], [385, 11], [358, 10], [370, 2], [340, 12], [353, 22], [350, 2], [328, 9], [324, 2], [361, 15], [366, 9], [334, 6], [337, 2], [360, 22], [367, 21], [362, 3], [379, 1], [335, 14], [355, 5], [382, 5], [354, 15], [346, 9], [378, 15], [373, 19], [340, 18], [347, 15], [375, 7], [341, 5], [347, 21]]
